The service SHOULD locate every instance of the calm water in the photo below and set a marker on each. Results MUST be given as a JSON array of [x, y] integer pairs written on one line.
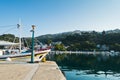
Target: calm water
[[88, 67]]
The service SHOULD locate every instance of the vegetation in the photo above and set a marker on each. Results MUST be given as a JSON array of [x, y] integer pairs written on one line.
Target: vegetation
[[59, 47], [86, 41], [12, 38], [9, 37], [76, 40]]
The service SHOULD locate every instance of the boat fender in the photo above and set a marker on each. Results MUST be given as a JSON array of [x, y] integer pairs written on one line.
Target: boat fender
[[8, 59]]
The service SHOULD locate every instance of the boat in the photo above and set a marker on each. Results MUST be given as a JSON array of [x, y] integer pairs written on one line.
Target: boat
[[10, 53], [39, 55], [14, 53]]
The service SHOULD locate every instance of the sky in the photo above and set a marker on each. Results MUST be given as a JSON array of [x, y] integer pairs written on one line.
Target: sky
[[57, 16]]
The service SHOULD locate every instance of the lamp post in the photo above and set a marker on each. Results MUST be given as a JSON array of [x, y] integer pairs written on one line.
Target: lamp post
[[32, 55]]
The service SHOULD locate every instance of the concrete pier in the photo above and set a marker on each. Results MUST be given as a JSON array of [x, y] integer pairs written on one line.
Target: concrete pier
[[26, 71]]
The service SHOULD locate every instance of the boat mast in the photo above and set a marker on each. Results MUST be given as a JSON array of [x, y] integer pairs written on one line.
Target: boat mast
[[19, 27]]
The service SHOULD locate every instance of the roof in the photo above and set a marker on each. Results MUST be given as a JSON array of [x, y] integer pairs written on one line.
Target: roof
[[6, 43]]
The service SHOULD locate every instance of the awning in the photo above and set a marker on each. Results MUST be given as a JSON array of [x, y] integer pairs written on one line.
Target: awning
[[6, 43]]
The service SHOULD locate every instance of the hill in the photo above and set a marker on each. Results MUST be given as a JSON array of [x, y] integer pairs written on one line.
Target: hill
[[86, 40], [77, 40]]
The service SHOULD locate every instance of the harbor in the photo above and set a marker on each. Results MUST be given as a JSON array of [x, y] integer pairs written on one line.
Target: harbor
[[60, 40], [88, 67], [48, 70]]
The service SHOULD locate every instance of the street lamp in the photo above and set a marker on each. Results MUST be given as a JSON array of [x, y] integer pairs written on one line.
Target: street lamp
[[32, 55]]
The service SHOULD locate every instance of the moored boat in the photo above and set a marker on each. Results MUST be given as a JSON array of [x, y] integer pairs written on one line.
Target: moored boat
[[15, 52], [8, 52]]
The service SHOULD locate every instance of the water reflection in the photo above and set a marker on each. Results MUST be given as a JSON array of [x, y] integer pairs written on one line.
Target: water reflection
[[88, 66]]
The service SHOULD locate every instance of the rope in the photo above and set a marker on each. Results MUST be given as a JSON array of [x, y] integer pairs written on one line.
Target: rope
[[7, 26], [13, 42], [9, 30]]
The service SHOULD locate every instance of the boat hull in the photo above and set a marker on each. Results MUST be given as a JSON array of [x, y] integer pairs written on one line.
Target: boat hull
[[37, 54]]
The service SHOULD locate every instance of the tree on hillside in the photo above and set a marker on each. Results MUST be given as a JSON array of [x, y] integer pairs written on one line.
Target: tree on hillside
[[59, 47], [49, 42], [7, 37]]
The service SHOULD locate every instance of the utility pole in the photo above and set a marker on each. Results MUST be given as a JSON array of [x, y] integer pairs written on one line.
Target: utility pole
[[32, 55]]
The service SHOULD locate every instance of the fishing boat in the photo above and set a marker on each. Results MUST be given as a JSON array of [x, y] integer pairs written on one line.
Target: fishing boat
[[10, 53], [39, 55]]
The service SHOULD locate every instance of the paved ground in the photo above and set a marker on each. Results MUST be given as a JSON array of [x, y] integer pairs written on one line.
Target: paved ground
[[48, 71], [26, 71]]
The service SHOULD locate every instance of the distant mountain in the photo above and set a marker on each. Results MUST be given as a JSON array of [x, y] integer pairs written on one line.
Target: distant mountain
[[85, 40], [60, 36], [113, 31], [63, 35]]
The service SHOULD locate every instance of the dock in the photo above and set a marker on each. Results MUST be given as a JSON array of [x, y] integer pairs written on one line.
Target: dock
[[48, 70]]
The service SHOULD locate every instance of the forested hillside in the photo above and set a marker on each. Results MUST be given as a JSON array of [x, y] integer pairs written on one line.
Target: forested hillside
[[76, 40], [9, 37], [106, 40]]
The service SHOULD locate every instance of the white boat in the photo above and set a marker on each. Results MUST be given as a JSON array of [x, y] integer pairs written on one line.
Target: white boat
[[14, 53], [17, 52]]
